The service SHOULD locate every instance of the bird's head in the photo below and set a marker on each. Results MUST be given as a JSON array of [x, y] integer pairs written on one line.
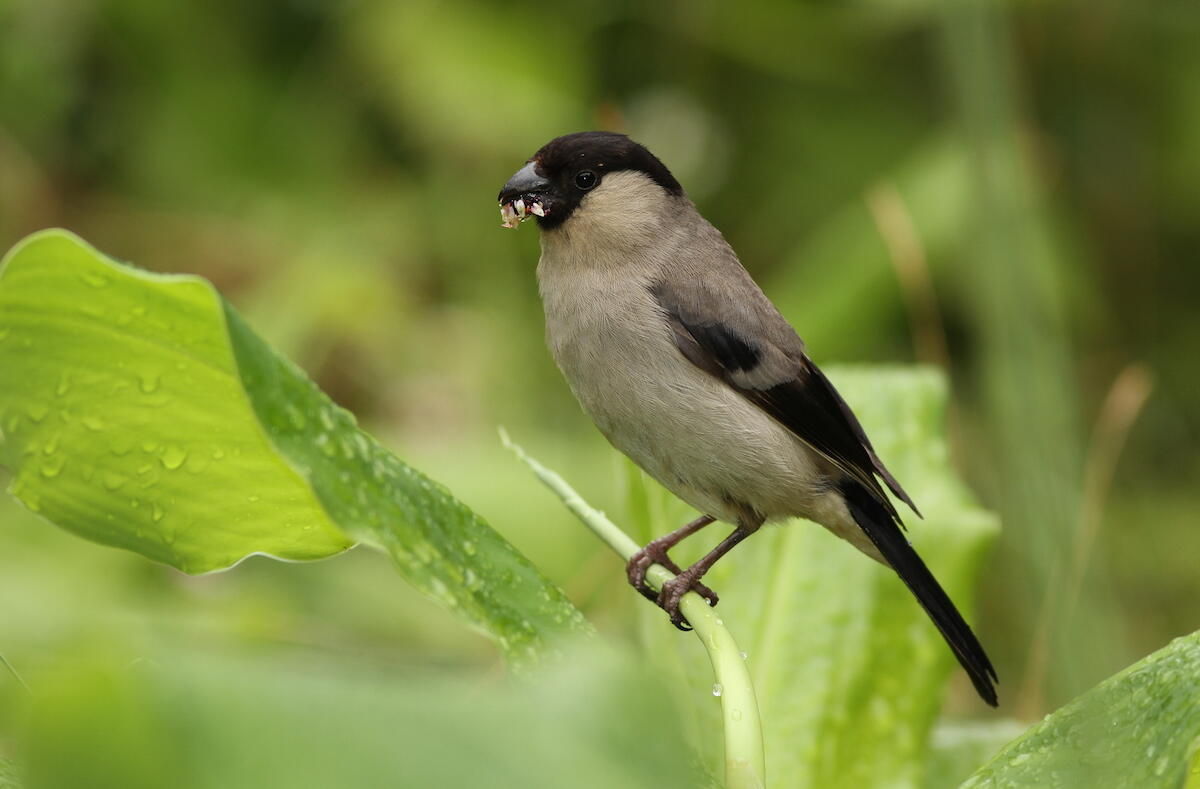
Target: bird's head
[[600, 175]]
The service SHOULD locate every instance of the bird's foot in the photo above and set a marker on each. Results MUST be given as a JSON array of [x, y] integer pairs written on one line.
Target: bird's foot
[[672, 594], [655, 553]]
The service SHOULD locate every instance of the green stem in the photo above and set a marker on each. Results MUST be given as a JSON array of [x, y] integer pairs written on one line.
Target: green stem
[[744, 761]]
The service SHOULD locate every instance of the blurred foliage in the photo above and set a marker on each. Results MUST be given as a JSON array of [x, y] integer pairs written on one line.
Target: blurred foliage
[[330, 166], [199, 719]]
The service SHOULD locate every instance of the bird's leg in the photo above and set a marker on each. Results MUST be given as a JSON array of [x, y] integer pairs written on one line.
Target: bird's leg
[[674, 590], [655, 552]]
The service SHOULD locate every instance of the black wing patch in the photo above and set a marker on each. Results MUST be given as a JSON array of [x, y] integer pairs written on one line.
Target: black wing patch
[[802, 399], [730, 351]]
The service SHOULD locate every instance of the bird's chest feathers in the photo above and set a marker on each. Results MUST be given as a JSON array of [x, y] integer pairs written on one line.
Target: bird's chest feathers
[[596, 324], [608, 336]]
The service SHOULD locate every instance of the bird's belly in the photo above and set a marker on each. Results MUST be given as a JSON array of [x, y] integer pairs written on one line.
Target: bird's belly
[[693, 433]]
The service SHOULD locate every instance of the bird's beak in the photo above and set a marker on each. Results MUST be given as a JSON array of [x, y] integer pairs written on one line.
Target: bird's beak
[[526, 194]]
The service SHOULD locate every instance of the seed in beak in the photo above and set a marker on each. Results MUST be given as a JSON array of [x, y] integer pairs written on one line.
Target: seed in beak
[[508, 216], [537, 209]]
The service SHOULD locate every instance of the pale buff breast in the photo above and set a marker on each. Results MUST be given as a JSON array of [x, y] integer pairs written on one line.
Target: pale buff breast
[[698, 437]]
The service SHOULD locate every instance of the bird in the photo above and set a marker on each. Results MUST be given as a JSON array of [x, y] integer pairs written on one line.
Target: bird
[[687, 368]]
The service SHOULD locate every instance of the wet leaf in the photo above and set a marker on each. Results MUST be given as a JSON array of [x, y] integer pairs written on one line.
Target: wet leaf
[[139, 411], [1139, 728]]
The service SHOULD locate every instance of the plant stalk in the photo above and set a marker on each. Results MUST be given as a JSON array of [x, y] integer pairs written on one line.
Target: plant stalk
[[744, 759]]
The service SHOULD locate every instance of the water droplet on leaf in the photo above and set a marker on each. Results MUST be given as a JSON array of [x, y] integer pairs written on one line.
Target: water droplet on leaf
[[95, 279], [112, 480], [53, 466], [173, 457]]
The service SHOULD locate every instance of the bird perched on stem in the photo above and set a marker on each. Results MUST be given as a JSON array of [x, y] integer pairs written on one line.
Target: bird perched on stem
[[686, 367]]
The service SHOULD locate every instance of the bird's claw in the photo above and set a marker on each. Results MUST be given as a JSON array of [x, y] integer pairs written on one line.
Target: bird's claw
[[639, 563], [671, 595], [636, 569]]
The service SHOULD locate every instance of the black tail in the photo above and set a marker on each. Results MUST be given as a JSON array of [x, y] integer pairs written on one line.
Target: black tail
[[884, 532]]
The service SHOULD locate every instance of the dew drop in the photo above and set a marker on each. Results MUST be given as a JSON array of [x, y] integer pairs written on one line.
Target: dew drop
[[172, 457], [93, 423], [440, 591], [717, 690], [112, 480], [95, 279], [64, 385], [744, 655], [253, 497], [363, 446], [468, 548], [296, 417], [53, 466], [37, 412], [156, 512], [148, 382]]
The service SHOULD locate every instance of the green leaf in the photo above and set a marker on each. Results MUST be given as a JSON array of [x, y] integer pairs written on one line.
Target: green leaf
[[1139, 728], [139, 411], [848, 670], [194, 720]]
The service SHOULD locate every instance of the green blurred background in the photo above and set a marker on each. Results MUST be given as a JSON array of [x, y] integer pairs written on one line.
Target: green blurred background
[[1007, 190]]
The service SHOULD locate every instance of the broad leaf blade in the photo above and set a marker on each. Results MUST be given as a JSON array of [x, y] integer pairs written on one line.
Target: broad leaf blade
[[139, 411], [1137, 728], [125, 422], [438, 543], [848, 670]]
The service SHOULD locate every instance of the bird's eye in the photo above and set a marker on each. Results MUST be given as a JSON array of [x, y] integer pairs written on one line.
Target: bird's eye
[[585, 179]]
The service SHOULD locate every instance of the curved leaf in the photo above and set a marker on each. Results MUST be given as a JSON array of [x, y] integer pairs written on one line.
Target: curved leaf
[[139, 411], [1137, 728]]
